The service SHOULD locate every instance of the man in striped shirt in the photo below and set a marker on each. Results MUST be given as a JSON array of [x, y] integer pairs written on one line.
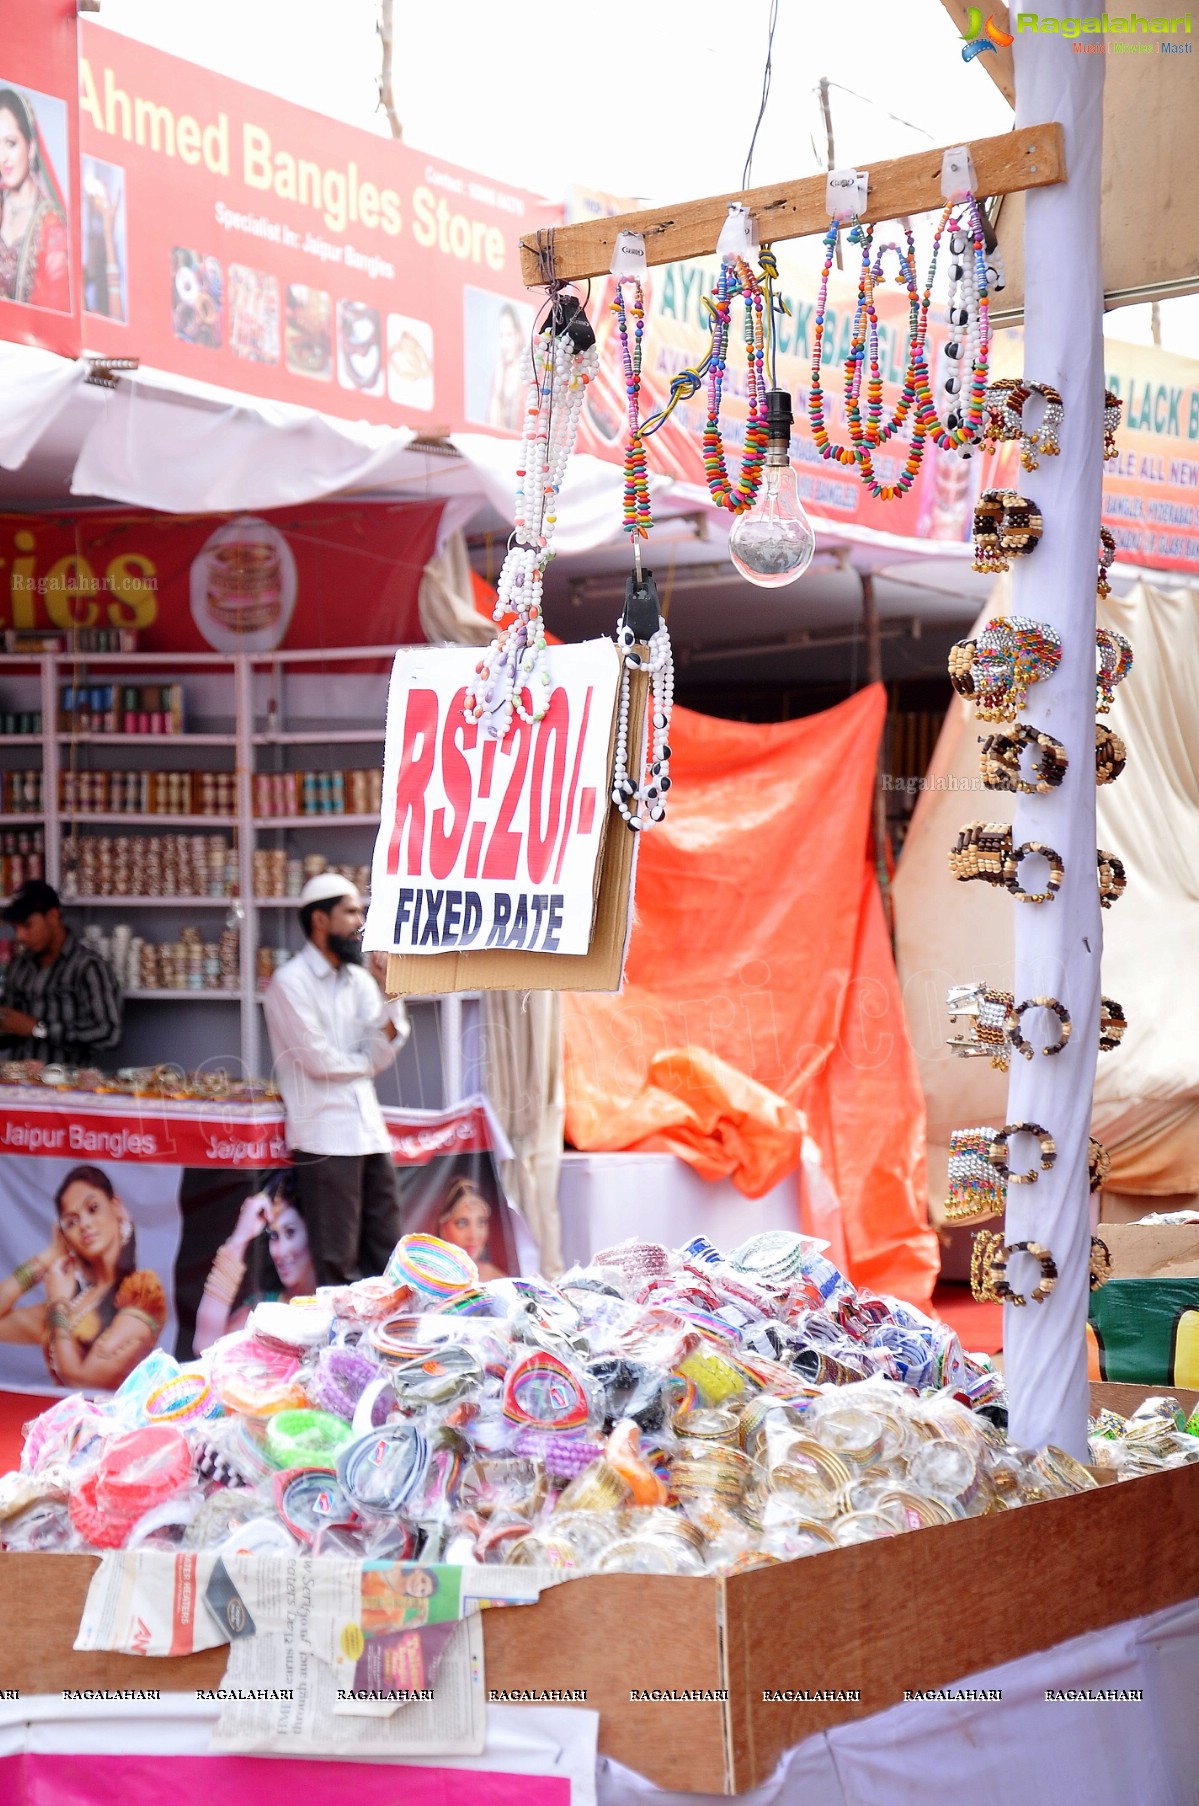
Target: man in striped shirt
[[61, 1001]]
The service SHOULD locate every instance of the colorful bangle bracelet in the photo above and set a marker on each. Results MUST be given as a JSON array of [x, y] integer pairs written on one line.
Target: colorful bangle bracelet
[[178, 1400], [309, 1499], [563, 1457], [541, 1391], [339, 1379], [379, 1472], [305, 1438], [254, 1380], [141, 1467], [436, 1378], [102, 1529], [429, 1265]]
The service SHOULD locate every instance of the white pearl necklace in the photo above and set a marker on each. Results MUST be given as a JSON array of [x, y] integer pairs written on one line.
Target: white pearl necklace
[[642, 804], [557, 376], [965, 343]]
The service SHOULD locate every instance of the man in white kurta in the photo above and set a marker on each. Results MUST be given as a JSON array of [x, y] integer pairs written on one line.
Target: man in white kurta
[[332, 1029]]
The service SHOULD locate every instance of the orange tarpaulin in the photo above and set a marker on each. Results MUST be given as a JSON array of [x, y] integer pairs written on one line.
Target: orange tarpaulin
[[760, 943]]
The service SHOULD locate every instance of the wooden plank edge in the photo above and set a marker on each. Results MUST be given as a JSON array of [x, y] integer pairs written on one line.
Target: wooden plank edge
[[1001, 66], [901, 185]]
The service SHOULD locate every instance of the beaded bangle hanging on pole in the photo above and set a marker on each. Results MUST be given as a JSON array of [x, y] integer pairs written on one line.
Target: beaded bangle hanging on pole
[[557, 368], [642, 803]]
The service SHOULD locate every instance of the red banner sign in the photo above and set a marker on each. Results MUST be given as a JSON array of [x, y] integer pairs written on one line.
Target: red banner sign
[[234, 238], [150, 1132], [326, 574], [39, 163]]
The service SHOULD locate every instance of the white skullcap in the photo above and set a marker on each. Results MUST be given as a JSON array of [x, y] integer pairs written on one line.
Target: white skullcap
[[326, 887]]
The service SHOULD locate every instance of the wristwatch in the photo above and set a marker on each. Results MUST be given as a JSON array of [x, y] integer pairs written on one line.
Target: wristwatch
[[39, 1031]]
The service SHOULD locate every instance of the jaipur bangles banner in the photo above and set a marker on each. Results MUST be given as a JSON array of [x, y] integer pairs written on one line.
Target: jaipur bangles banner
[[113, 1221]]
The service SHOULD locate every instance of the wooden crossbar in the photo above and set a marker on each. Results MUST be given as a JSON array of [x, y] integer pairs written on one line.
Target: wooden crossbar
[[1034, 157]]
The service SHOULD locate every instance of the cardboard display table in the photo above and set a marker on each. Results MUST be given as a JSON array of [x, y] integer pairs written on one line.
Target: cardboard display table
[[911, 1612]]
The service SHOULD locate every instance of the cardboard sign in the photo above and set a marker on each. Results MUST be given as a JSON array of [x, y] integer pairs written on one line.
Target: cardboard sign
[[488, 847]]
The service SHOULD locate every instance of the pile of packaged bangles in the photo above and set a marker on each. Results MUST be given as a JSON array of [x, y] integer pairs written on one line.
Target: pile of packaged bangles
[[669, 1412]]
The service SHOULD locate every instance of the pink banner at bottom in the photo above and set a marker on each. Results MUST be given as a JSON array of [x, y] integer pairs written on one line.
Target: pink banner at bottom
[[84, 1780]]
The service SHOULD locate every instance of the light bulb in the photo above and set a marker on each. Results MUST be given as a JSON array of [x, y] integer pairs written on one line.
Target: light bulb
[[773, 543]]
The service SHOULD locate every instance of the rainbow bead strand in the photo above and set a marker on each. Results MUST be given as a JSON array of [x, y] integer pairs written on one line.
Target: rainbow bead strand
[[638, 516], [736, 277]]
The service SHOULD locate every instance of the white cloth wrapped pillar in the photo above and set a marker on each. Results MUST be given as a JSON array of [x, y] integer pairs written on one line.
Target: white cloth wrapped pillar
[[1058, 944]]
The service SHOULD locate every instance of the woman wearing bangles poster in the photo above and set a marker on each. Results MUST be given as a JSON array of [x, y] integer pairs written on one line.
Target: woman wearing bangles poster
[[101, 1315], [35, 244], [266, 1257]]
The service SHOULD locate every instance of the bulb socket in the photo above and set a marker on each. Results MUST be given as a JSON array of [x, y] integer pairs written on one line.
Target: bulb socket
[[778, 428], [778, 417]]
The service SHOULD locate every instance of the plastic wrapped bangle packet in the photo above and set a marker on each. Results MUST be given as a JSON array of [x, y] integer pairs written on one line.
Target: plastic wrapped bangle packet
[[659, 1411]]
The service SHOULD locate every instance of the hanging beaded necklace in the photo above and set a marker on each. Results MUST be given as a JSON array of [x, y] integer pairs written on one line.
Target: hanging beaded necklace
[[968, 348], [735, 278], [640, 804], [867, 431], [557, 374], [638, 517]]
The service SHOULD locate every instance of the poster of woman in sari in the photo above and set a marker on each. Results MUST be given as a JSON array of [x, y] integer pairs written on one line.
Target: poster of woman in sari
[[35, 239]]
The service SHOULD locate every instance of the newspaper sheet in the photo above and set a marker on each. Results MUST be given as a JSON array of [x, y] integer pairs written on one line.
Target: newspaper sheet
[[326, 1653]]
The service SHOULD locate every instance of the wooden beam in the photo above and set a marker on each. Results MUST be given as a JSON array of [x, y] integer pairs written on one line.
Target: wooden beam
[[998, 63], [1032, 158]]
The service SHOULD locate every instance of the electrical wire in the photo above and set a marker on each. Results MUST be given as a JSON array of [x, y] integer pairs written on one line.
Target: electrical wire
[[766, 74], [865, 99]]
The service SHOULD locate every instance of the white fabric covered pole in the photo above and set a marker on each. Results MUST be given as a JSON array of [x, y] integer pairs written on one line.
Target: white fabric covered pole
[[1058, 943]]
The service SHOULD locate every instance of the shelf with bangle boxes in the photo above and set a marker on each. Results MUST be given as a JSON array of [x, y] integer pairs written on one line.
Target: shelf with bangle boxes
[[241, 764]]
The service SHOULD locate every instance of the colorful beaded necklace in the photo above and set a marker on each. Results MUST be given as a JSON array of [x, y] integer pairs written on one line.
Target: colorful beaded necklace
[[867, 432], [638, 516], [735, 278]]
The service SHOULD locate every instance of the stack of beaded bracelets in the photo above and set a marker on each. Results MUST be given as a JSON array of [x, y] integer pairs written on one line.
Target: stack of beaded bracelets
[[1005, 404], [1000, 760], [987, 1014], [994, 670], [1115, 662], [989, 1259], [984, 850], [1006, 526], [989, 1264], [995, 1023], [977, 1188]]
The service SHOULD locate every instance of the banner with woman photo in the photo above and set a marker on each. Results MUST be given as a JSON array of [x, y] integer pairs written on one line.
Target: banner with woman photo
[[110, 1247], [39, 154]]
